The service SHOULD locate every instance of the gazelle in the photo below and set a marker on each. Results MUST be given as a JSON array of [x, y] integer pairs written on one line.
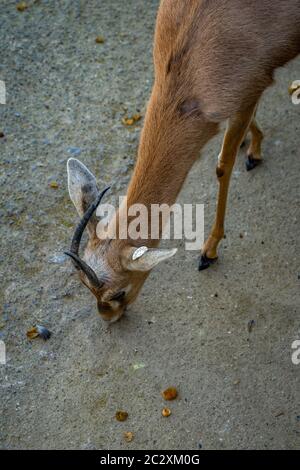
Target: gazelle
[[213, 60]]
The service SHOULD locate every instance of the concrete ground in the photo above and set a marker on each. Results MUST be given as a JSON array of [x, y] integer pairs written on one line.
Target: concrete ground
[[66, 95]]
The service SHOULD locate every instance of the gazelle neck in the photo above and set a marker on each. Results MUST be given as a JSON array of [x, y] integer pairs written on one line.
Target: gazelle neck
[[169, 145], [167, 150]]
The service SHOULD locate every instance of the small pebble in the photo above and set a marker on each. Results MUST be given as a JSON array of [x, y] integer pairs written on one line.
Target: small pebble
[[1, 135]]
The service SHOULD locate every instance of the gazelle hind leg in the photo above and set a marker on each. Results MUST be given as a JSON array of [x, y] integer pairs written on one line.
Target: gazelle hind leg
[[254, 150], [236, 130]]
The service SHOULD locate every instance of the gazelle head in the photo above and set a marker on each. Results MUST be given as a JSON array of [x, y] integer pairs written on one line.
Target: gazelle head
[[114, 270]]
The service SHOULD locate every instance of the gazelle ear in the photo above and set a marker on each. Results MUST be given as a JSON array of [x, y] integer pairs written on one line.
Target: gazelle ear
[[83, 190], [143, 258]]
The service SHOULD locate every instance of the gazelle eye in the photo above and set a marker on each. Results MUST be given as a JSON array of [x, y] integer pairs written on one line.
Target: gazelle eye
[[119, 296]]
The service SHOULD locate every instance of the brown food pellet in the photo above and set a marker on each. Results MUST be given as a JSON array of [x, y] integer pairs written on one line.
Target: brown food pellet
[[166, 412], [121, 415], [129, 121], [128, 436], [170, 393]]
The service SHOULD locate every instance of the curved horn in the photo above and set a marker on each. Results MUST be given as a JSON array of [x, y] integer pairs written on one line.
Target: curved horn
[[84, 221], [89, 272], [74, 251]]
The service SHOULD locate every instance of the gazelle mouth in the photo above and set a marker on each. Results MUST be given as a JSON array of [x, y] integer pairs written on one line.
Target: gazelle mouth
[[113, 318]]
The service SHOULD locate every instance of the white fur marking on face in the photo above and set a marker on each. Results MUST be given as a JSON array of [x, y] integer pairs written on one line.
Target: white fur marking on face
[[128, 288], [139, 252], [98, 264]]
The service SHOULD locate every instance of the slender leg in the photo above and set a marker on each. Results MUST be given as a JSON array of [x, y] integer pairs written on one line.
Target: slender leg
[[236, 130], [254, 151]]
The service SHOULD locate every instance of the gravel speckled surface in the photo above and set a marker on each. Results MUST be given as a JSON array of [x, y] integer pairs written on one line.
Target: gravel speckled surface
[[67, 95]]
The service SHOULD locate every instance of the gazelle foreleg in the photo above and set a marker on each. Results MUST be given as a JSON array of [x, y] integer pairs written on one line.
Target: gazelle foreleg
[[236, 130]]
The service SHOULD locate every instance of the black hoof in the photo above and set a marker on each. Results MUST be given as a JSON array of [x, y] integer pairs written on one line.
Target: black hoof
[[251, 163], [205, 262]]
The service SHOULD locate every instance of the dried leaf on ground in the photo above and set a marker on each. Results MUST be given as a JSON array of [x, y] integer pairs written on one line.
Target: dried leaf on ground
[[38, 331]]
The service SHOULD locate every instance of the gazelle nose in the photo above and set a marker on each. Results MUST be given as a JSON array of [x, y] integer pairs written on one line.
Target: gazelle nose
[[109, 314]]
